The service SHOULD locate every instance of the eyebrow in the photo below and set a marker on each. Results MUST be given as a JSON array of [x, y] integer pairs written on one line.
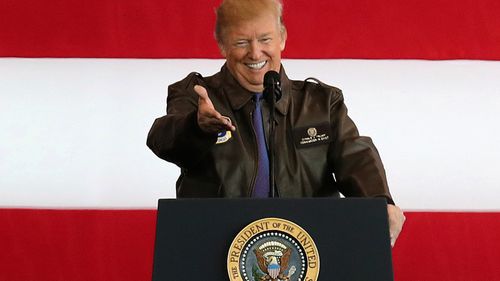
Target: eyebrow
[[242, 37], [265, 34]]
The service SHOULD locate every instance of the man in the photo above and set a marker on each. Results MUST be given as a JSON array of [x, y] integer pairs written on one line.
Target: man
[[216, 129]]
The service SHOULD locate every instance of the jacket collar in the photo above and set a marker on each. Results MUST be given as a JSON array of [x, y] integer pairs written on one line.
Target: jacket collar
[[239, 96]]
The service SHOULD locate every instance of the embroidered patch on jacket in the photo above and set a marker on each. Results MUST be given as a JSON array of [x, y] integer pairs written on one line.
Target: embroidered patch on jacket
[[223, 137], [312, 135]]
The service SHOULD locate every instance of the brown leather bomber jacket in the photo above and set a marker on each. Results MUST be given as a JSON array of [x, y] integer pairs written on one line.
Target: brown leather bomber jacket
[[318, 149]]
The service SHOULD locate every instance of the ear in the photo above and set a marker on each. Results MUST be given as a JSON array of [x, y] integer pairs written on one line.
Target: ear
[[222, 49], [283, 39]]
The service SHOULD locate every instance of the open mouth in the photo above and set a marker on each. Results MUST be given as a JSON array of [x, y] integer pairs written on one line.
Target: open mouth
[[256, 66]]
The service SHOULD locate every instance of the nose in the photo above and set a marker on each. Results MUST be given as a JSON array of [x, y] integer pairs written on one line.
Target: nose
[[254, 51]]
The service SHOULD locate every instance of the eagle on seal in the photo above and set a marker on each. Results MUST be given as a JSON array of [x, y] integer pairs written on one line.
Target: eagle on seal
[[272, 266]]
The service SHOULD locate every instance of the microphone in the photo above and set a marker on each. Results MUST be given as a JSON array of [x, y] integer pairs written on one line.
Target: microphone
[[272, 84]]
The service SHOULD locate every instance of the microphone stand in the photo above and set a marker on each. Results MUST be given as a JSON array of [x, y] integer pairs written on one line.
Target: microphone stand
[[272, 92], [275, 91], [272, 127]]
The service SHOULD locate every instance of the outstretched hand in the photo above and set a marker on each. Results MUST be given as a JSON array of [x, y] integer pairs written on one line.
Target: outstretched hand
[[396, 221], [209, 119]]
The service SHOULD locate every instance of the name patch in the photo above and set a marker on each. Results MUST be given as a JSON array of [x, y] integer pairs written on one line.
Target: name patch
[[312, 135]]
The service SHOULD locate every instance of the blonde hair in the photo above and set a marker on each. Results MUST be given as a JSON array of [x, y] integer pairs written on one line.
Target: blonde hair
[[232, 12]]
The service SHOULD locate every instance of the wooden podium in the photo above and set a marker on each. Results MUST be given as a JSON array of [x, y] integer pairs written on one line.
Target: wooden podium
[[193, 236]]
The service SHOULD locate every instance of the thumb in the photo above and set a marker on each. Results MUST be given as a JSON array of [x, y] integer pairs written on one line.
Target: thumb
[[203, 99], [202, 92]]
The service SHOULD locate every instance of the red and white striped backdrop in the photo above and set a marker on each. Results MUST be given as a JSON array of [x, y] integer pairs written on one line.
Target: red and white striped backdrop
[[81, 83]]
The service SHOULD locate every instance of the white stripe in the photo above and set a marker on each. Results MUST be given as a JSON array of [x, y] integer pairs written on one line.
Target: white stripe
[[73, 131]]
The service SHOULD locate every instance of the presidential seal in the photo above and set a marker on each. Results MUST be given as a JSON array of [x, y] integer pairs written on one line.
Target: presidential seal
[[273, 249]]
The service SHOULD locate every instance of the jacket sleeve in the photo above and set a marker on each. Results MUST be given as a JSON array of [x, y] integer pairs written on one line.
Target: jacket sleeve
[[356, 163], [176, 137]]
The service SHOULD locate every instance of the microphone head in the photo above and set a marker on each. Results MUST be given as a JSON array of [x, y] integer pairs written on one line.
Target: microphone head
[[272, 83], [271, 77]]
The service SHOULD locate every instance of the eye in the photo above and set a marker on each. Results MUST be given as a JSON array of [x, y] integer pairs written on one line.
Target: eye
[[266, 40], [241, 43]]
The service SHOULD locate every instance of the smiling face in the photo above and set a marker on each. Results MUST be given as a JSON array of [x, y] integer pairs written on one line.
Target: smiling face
[[252, 48]]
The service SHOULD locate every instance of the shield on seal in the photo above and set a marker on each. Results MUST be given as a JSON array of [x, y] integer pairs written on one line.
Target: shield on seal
[[273, 270]]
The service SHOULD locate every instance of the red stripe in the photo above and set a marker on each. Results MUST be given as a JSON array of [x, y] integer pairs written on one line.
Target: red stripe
[[105, 245], [448, 247], [427, 29], [77, 245]]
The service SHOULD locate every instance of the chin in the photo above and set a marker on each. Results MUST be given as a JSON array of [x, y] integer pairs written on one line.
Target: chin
[[256, 78], [255, 87]]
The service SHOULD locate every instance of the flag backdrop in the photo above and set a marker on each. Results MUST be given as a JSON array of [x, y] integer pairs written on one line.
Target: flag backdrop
[[82, 81]]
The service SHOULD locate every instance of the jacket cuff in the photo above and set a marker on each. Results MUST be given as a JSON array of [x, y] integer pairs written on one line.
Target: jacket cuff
[[388, 199], [197, 132]]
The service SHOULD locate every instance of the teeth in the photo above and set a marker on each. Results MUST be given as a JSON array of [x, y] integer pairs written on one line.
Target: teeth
[[258, 65]]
